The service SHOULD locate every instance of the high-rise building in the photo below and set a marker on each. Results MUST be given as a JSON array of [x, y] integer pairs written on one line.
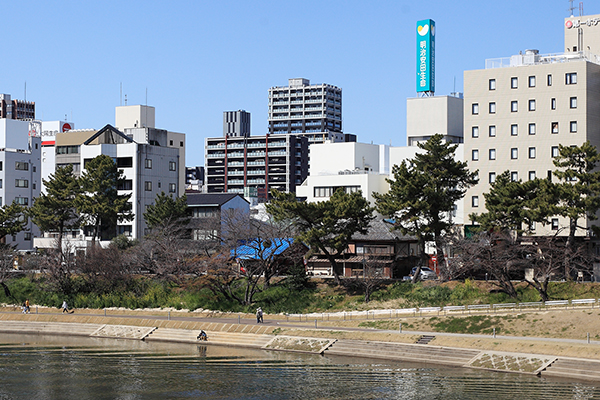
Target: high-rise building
[[314, 111], [16, 109], [518, 111], [236, 123]]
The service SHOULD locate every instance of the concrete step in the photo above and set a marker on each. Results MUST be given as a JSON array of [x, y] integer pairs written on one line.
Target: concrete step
[[214, 337], [55, 328], [575, 368], [425, 339], [400, 351]]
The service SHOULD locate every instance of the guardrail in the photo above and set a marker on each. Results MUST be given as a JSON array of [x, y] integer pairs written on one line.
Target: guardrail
[[419, 311]]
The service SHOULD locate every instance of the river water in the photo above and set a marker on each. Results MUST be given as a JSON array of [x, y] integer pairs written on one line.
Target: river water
[[46, 367]]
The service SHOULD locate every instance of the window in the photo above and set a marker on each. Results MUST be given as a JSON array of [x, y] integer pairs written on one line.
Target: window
[[172, 187], [514, 130], [573, 126], [124, 230], [21, 183], [554, 127], [554, 224], [148, 163], [475, 201], [514, 176], [532, 81], [514, 153], [553, 103], [180, 144], [492, 108], [475, 108], [0, 165], [492, 154], [27, 236], [125, 185], [531, 175], [532, 152], [554, 151], [0, 183], [573, 102], [492, 130], [532, 226], [532, 129], [475, 155], [492, 177], [22, 200], [67, 149], [549, 80], [514, 83], [170, 143], [514, 106], [22, 166], [172, 166], [571, 78], [475, 132], [492, 84], [148, 186], [531, 105], [34, 169], [124, 162]]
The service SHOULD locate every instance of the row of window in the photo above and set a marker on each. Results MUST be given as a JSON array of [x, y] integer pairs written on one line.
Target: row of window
[[148, 186], [148, 164], [570, 79], [532, 128], [514, 105], [514, 153], [327, 191]]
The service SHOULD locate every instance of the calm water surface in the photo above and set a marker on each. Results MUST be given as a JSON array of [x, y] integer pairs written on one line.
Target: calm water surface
[[45, 367]]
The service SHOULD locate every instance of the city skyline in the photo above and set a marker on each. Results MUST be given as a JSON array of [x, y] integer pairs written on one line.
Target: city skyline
[[194, 60]]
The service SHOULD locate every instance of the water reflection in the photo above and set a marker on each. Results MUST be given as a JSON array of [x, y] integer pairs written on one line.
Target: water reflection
[[46, 367]]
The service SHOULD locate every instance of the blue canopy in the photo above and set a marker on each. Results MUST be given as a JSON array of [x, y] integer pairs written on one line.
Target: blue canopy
[[261, 249]]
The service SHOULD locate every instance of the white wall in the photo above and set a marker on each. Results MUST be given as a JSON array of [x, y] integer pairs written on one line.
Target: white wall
[[330, 158]]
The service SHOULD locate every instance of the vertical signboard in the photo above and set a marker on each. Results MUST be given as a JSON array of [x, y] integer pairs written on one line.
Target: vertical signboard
[[426, 56]]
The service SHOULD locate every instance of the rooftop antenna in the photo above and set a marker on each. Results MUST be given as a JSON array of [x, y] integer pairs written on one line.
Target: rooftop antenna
[[121, 95], [146, 96], [125, 99], [571, 8], [581, 8], [25, 94]]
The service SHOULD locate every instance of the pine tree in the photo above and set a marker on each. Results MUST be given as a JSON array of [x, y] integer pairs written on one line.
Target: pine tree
[[98, 201], [54, 211], [167, 210], [423, 193]]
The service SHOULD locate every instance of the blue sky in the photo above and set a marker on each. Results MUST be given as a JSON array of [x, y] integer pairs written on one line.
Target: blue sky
[[196, 59]]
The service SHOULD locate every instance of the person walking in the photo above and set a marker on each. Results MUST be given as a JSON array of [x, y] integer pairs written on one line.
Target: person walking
[[259, 315], [65, 307], [27, 309]]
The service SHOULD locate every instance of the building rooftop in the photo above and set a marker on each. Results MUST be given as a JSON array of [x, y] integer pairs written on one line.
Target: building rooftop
[[532, 57]]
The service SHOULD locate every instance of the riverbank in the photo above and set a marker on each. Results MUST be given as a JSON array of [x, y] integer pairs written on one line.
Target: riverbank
[[503, 353]]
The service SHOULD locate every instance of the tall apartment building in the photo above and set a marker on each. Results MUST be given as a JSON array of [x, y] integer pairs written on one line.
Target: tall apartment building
[[19, 174], [519, 109], [16, 109], [314, 111], [236, 123], [254, 165]]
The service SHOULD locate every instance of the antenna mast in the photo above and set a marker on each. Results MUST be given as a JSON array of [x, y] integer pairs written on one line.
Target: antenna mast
[[571, 8]]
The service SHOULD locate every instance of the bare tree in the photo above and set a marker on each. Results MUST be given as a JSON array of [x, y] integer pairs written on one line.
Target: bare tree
[[371, 277], [7, 257]]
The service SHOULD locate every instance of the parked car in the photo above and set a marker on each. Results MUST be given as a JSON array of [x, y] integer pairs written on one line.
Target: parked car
[[426, 273]]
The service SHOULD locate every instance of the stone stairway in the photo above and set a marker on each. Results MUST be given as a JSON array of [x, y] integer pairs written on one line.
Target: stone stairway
[[425, 339], [48, 328], [214, 337], [404, 352], [574, 368]]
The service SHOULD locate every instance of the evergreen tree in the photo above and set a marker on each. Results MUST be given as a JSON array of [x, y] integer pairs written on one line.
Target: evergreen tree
[[54, 211], [12, 219], [423, 193], [167, 210], [98, 201], [578, 189], [516, 205], [327, 225]]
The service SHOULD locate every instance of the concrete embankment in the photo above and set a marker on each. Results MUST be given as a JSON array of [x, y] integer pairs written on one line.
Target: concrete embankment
[[270, 338]]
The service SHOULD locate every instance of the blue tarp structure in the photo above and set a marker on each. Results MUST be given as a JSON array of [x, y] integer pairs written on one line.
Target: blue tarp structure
[[256, 249]]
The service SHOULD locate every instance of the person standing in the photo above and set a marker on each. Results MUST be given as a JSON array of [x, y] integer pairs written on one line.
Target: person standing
[[27, 309], [259, 315], [65, 307]]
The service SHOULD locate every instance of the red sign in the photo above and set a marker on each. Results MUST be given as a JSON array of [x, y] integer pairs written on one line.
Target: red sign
[[66, 127]]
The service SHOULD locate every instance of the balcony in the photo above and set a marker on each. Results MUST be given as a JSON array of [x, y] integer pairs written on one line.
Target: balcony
[[215, 155]]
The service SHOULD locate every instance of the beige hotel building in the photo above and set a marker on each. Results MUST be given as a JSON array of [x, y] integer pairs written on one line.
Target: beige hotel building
[[519, 109]]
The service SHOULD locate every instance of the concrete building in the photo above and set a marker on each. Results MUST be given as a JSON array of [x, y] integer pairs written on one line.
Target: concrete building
[[314, 111], [47, 131], [16, 109], [254, 165], [194, 178], [236, 123], [20, 179], [519, 109], [208, 213], [426, 116]]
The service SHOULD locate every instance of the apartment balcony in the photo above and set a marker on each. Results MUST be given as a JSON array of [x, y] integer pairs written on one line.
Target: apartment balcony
[[256, 154], [235, 155], [235, 173], [278, 153], [215, 155], [256, 172], [255, 181], [215, 146], [255, 163], [235, 164], [235, 182]]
